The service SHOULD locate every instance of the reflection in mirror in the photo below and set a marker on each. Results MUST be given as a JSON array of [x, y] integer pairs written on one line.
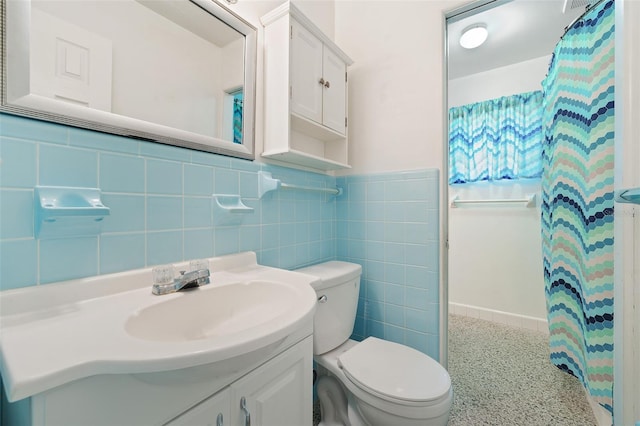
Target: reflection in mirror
[[177, 71]]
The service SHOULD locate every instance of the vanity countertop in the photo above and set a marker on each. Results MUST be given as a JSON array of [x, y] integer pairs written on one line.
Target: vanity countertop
[[56, 333]]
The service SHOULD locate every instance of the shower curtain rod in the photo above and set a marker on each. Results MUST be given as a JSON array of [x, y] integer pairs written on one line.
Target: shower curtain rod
[[586, 10], [530, 201]]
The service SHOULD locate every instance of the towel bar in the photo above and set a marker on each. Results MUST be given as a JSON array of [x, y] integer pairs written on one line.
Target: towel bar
[[530, 201]]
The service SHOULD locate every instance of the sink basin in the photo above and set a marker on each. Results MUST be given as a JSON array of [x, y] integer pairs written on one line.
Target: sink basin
[[111, 324], [213, 312]]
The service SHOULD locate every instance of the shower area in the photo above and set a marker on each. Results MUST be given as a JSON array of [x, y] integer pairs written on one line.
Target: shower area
[[531, 182], [495, 258]]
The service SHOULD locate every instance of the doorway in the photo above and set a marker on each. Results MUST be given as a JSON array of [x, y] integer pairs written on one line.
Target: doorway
[[495, 259]]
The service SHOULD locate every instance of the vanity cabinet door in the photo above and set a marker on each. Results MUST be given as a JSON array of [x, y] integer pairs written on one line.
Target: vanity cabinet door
[[279, 393], [213, 411]]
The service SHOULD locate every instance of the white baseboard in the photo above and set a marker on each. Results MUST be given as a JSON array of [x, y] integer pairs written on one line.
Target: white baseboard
[[514, 320], [603, 417]]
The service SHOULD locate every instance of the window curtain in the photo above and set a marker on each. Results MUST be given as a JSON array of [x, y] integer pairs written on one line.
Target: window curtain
[[577, 201], [496, 139]]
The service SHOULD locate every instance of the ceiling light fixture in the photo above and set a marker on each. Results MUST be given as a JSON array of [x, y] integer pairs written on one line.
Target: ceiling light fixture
[[473, 36]]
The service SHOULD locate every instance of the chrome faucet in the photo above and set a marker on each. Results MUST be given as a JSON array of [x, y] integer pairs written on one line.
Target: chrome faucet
[[185, 281]]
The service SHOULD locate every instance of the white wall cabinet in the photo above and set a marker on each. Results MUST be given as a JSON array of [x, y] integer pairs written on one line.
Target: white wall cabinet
[[318, 80], [305, 93]]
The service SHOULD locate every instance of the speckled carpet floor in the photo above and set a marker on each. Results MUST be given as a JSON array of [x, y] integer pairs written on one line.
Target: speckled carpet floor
[[502, 376]]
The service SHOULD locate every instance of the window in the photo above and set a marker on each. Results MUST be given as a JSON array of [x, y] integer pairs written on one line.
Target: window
[[496, 139]]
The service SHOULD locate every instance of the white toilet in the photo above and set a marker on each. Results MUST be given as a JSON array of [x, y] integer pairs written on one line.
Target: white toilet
[[373, 382]]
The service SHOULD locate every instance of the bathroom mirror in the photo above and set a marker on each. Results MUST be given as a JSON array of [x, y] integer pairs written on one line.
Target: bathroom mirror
[[179, 72]]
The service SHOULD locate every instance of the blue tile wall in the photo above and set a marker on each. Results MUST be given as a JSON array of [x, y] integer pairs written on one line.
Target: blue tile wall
[[388, 223], [161, 211], [160, 200]]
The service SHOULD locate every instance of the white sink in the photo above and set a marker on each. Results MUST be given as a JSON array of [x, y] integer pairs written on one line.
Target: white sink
[[214, 312], [112, 324]]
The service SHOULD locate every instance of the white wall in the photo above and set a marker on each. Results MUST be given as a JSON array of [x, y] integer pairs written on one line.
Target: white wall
[[395, 84], [626, 391], [169, 65], [321, 12], [232, 65], [504, 81], [495, 255]]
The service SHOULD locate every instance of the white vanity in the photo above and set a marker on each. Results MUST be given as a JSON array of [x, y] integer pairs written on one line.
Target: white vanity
[[306, 90], [104, 350]]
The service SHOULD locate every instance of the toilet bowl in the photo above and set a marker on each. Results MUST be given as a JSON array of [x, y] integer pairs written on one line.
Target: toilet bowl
[[333, 411], [385, 383]]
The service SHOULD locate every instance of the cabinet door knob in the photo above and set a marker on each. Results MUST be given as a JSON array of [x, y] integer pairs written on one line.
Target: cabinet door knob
[[219, 420], [326, 84], [247, 414], [321, 81]]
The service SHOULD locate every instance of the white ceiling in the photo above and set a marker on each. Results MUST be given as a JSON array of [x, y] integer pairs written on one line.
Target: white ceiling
[[518, 30]]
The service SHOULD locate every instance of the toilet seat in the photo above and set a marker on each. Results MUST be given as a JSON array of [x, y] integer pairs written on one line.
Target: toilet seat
[[395, 373]]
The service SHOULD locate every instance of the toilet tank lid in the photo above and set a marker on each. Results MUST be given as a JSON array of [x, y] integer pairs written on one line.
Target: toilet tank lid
[[332, 273]]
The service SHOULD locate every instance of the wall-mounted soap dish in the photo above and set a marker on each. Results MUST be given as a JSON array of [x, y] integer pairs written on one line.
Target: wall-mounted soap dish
[[62, 211], [228, 209]]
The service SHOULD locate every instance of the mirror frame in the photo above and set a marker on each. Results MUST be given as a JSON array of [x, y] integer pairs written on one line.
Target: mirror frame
[[17, 99]]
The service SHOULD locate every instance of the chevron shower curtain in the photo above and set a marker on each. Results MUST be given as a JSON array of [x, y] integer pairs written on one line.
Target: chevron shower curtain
[[577, 201]]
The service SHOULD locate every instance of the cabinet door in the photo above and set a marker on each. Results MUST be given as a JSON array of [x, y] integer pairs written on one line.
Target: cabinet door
[[213, 411], [334, 96], [306, 72], [279, 393]]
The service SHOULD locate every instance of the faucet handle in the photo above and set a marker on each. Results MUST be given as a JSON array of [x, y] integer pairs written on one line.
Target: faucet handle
[[198, 264], [163, 274]]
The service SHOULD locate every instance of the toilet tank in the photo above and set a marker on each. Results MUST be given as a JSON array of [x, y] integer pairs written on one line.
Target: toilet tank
[[337, 291]]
